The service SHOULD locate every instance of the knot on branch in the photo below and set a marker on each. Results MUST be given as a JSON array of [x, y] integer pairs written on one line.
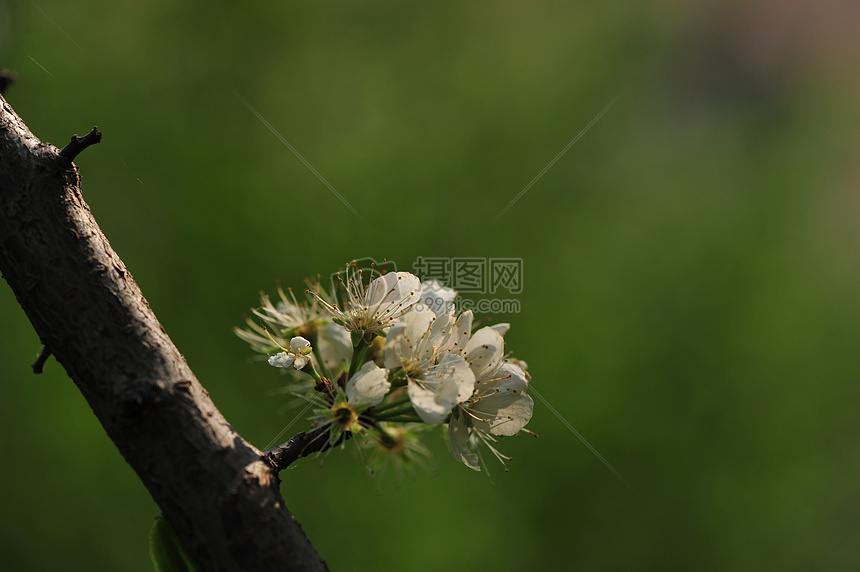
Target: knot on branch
[[136, 401], [78, 144]]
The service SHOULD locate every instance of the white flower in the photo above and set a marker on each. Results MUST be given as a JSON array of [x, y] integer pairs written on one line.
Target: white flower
[[296, 357], [499, 406], [435, 334], [289, 312], [308, 319], [390, 350], [374, 307], [289, 317], [365, 389], [335, 348], [368, 387], [437, 380], [436, 390]]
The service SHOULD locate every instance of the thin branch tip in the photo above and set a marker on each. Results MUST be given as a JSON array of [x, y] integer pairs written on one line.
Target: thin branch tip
[[303, 444], [39, 365], [78, 144], [7, 78]]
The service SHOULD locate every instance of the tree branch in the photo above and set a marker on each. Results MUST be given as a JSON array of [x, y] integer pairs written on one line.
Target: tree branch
[[78, 144], [214, 488]]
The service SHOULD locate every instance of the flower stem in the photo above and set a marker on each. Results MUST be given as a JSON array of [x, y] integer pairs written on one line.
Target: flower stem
[[358, 357], [385, 406], [405, 419], [400, 409], [322, 364], [311, 370], [398, 377]]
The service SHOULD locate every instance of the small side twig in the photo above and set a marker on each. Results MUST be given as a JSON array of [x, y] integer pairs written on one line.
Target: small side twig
[[78, 144], [7, 78], [302, 445], [39, 365]]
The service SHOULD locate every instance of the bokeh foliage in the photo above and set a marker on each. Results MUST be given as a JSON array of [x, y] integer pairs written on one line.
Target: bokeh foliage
[[691, 264]]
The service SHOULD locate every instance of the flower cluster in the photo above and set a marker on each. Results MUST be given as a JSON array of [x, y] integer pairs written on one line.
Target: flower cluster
[[389, 359]]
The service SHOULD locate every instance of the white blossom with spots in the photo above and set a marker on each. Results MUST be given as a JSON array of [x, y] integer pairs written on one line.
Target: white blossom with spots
[[499, 405], [375, 307], [437, 379]]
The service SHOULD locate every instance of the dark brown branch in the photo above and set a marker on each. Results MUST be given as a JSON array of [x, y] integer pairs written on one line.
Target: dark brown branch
[[78, 144], [299, 446], [39, 365], [304, 444], [213, 487]]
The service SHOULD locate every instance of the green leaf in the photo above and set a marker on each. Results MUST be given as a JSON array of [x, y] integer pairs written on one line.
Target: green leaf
[[167, 552]]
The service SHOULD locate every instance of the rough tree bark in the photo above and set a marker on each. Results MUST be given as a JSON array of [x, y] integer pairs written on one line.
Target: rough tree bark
[[218, 491]]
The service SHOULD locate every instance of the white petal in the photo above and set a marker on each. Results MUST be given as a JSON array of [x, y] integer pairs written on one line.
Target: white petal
[[510, 377], [437, 297], [436, 289], [484, 352], [502, 328], [426, 404], [403, 343], [408, 287], [458, 434], [458, 378], [301, 361], [417, 323], [461, 332], [395, 288], [504, 407], [335, 346], [393, 344], [505, 415], [522, 365], [368, 386], [442, 328], [299, 345], [282, 359], [442, 387]]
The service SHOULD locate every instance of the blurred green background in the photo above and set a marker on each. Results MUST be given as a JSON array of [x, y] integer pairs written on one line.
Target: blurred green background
[[691, 264]]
